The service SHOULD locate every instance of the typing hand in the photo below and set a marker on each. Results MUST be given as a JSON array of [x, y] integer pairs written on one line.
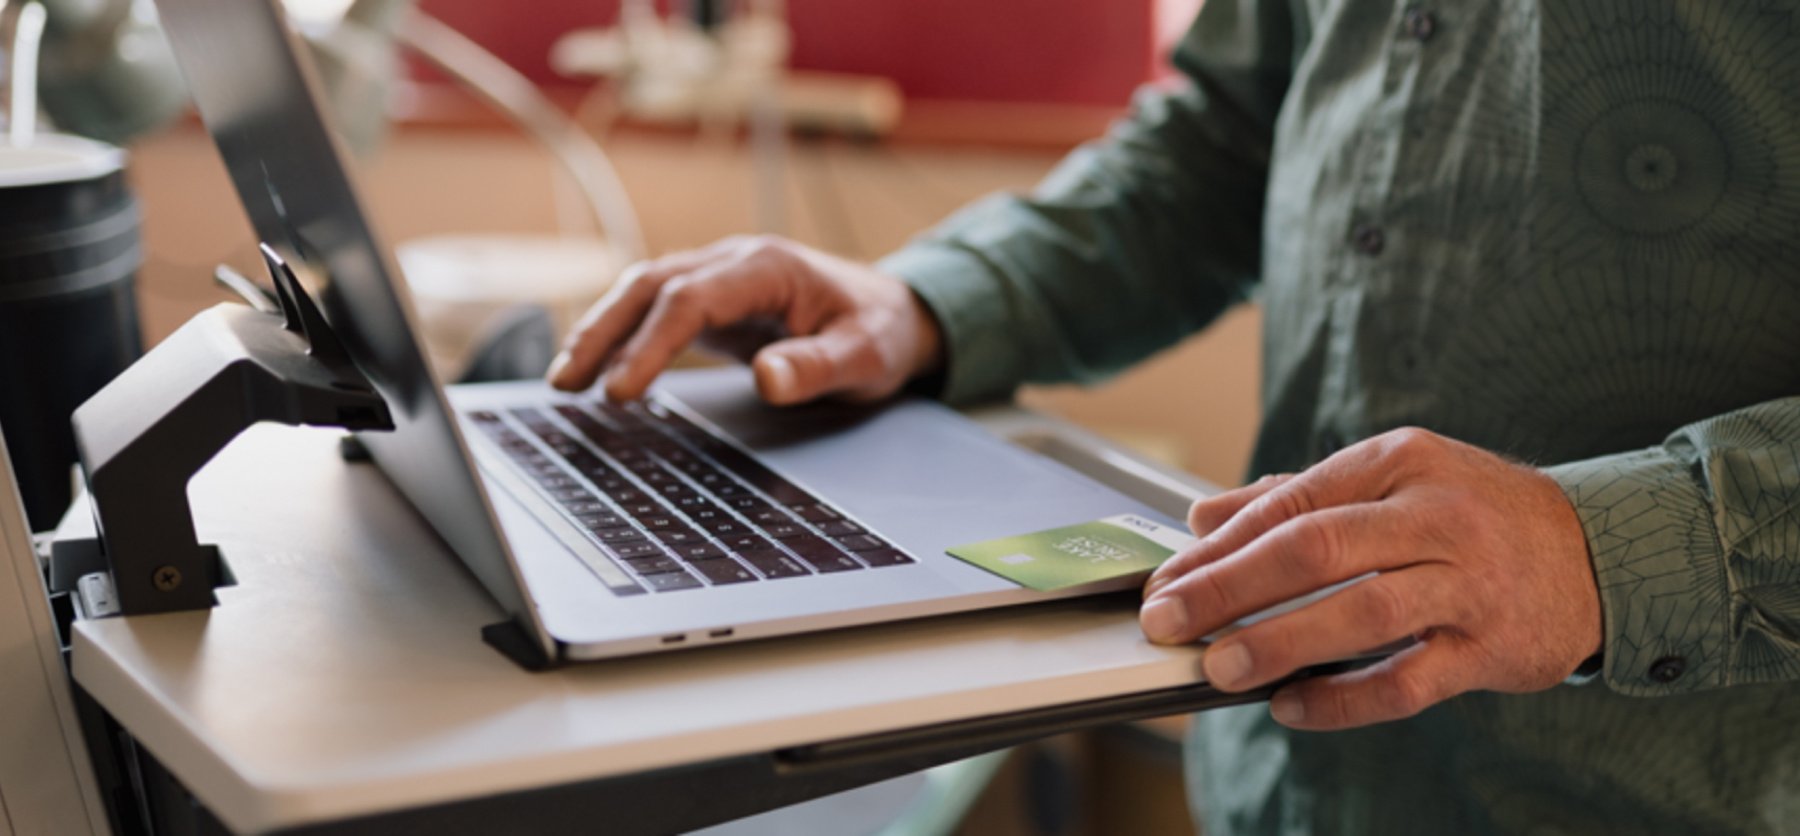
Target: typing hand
[[811, 324], [1480, 560]]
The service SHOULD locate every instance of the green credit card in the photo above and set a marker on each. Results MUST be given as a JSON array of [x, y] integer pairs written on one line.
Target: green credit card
[[1075, 555]]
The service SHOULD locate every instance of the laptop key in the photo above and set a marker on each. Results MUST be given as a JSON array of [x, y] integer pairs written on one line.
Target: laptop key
[[705, 512], [840, 528], [627, 495], [722, 571], [678, 537], [635, 548], [728, 490], [592, 522], [698, 551], [660, 522], [574, 493], [675, 491], [774, 564], [885, 557], [767, 516], [652, 565], [555, 480], [641, 509], [787, 531], [722, 526], [823, 556], [586, 506], [741, 543], [861, 542], [671, 581], [816, 512], [622, 534]]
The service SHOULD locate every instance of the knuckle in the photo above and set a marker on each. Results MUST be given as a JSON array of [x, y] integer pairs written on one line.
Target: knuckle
[[865, 358], [1199, 515], [1310, 549], [1204, 592], [1275, 649], [1384, 610], [1407, 443], [1406, 693], [1285, 503], [683, 296], [768, 247]]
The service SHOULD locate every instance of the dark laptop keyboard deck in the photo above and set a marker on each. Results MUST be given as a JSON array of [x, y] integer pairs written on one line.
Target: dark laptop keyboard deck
[[674, 505]]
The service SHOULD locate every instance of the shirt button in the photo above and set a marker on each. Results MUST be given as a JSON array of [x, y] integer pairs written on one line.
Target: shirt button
[[1668, 669], [1419, 24], [1369, 240]]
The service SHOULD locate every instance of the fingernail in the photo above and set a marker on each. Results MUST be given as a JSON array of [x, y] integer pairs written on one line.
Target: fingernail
[[781, 375], [1155, 583], [1164, 619], [1287, 709], [554, 375], [1227, 666]]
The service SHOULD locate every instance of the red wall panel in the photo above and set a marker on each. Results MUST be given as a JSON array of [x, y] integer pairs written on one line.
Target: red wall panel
[[1050, 51]]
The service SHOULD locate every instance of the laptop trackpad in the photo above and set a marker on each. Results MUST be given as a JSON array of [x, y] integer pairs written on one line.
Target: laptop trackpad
[[914, 470]]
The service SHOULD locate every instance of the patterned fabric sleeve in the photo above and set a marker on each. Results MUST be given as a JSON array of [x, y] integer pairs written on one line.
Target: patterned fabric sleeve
[[1696, 547], [1132, 242]]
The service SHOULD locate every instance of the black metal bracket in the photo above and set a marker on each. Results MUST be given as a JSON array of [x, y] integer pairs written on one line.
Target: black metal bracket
[[146, 434]]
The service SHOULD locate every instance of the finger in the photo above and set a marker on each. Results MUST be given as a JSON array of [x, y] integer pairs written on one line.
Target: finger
[[710, 297], [1300, 556], [1393, 689], [840, 358], [1205, 516], [1365, 615], [1208, 514], [618, 312]]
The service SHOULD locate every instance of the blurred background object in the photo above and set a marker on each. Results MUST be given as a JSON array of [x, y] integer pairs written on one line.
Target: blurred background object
[[69, 247]]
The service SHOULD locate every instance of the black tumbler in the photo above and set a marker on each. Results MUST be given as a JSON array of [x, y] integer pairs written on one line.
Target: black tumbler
[[69, 254]]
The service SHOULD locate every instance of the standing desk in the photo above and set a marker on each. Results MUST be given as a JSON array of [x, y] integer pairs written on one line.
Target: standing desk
[[342, 686]]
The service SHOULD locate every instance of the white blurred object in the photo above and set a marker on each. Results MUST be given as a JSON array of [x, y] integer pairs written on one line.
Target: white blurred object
[[673, 71], [22, 31], [462, 283]]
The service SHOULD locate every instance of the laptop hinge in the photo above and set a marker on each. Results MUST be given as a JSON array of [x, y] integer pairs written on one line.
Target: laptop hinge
[[516, 642]]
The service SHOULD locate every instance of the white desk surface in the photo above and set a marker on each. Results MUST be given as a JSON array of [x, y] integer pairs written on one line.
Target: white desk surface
[[344, 674]]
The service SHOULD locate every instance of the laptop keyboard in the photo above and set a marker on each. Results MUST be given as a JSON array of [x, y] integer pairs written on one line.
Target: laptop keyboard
[[673, 505]]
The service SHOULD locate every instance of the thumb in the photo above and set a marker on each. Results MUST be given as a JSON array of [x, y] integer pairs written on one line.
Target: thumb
[[803, 368]]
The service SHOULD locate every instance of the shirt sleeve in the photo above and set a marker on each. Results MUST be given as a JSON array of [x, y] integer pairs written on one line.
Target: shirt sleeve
[[1132, 242], [1696, 549]]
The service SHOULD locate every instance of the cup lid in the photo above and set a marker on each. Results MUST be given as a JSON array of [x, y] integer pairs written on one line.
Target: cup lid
[[57, 158]]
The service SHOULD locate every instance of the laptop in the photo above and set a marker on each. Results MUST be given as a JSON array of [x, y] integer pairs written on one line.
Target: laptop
[[696, 517]]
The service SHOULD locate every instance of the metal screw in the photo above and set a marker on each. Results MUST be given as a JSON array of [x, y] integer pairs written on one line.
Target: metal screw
[[166, 578]]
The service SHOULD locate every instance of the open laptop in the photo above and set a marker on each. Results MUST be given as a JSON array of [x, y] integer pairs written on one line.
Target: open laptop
[[696, 517]]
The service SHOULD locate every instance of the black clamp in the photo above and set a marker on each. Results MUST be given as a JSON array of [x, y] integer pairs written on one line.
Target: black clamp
[[146, 434]]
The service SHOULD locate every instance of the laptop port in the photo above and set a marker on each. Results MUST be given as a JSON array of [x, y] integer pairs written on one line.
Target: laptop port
[[721, 634], [678, 638]]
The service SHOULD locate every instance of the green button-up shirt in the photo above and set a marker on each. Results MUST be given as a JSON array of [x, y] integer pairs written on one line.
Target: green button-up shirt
[[1568, 232]]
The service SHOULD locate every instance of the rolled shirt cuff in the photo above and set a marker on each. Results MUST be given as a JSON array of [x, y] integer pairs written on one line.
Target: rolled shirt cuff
[[983, 357], [1664, 591]]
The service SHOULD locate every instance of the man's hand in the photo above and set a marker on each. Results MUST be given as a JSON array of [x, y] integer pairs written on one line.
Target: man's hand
[[1480, 560], [811, 324]]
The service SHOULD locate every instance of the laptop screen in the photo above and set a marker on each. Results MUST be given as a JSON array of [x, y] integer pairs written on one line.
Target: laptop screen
[[259, 99]]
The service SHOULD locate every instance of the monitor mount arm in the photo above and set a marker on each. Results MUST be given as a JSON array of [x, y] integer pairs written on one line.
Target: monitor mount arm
[[150, 430]]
